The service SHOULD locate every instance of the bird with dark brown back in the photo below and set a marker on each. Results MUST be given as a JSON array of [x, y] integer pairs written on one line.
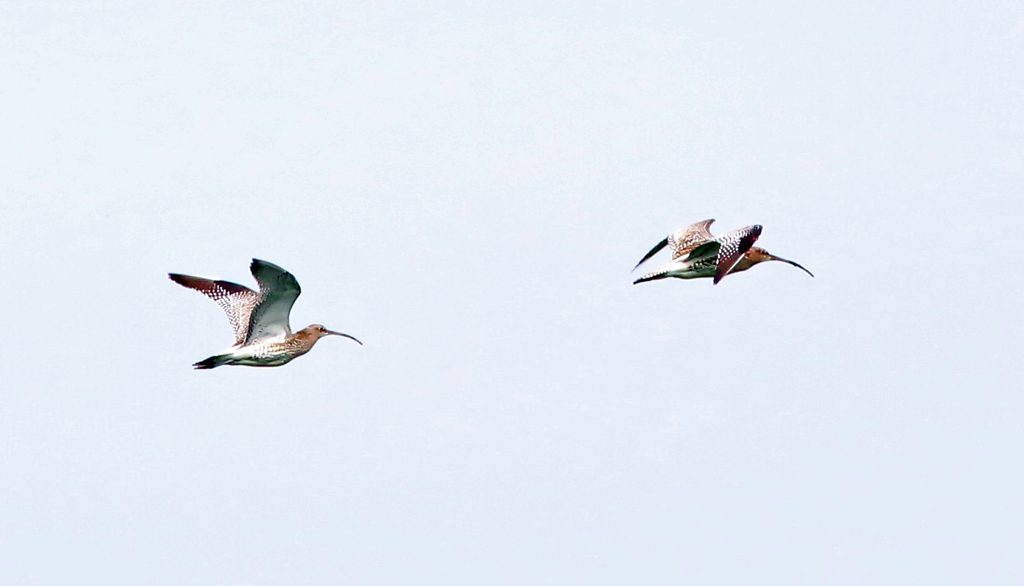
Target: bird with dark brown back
[[259, 319]]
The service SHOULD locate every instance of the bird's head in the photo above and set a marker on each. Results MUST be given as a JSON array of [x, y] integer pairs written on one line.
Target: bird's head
[[757, 255], [318, 331]]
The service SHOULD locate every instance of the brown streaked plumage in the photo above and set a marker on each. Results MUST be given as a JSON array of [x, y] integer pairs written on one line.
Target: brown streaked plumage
[[259, 319], [696, 253]]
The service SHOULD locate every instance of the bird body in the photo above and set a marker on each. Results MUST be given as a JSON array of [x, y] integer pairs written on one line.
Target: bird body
[[263, 336], [272, 351], [696, 253]]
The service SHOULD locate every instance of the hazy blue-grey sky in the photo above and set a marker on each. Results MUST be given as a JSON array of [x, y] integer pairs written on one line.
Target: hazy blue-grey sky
[[464, 187]]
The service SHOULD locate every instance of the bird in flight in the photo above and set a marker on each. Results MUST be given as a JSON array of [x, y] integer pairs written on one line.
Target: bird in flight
[[258, 318], [696, 253]]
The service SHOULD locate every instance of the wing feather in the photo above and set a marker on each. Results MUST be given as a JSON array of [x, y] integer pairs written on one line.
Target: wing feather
[[734, 245], [236, 300], [684, 239], [654, 251], [278, 292]]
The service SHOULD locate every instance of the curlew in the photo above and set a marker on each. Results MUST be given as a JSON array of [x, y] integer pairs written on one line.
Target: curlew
[[696, 253], [259, 319]]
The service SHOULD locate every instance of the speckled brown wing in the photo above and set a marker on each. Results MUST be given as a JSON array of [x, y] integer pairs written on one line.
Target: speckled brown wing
[[733, 245], [237, 301], [682, 241]]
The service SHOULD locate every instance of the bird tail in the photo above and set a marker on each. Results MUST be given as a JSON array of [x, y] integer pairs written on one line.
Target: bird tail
[[212, 362]]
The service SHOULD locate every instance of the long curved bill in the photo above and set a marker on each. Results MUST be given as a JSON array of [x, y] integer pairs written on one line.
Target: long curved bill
[[779, 258], [333, 333]]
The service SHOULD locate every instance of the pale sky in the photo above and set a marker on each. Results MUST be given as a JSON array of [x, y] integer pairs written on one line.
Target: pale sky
[[465, 187]]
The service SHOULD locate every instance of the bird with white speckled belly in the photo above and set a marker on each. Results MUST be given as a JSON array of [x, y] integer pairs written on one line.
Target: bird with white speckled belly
[[696, 253], [259, 319]]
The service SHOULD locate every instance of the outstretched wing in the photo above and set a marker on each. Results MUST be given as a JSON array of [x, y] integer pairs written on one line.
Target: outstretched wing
[[681, 241], [733, 246], [278, 291], [684, 239], [236, 300], [654, 251]]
